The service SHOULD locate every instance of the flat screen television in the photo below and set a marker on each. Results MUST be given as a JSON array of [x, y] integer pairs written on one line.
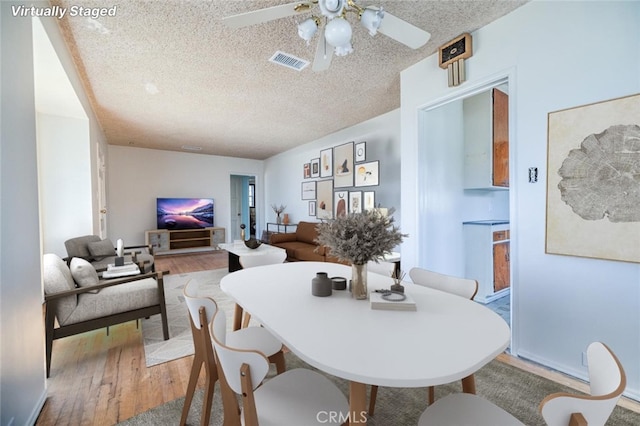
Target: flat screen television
[[184, 213]]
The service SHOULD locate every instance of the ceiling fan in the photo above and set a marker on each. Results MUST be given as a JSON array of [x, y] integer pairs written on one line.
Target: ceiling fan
[[335, 34]]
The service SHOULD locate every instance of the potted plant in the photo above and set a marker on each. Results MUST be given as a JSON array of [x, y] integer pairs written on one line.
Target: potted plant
[[278, 211], [359, 238]]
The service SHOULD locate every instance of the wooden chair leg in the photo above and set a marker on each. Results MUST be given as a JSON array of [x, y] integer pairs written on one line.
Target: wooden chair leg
[[198, 360], [212, 377], [246, 319], [278, 360], [372, 399]]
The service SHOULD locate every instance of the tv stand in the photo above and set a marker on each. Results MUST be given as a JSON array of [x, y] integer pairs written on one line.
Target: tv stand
[[173, 241]]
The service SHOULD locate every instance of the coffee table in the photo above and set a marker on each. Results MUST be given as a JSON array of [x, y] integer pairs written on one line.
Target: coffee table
[[237, 249]]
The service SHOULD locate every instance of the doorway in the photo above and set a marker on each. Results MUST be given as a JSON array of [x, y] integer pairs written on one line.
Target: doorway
[[242, 206], [458, 191]]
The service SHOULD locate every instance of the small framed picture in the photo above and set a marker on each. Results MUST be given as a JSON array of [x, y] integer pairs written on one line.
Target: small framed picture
[[367, 174], [315, 167], [355, 202], [312, 208], [361, 152], [368, 200], [309, 190], [326, 162], [306, 171], [340, 199]]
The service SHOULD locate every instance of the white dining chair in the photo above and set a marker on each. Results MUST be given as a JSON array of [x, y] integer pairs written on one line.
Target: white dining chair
[[607, 382], [251, 261], [463, 287], [295, 397], [201, 313]]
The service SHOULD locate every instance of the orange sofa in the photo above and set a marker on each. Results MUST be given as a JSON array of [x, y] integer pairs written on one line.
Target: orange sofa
[[301, 246]]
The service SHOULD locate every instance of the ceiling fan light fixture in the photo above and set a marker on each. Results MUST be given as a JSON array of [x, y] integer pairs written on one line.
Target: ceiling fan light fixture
[[308, 28], [338, 34], [371, 20], [331, 8]]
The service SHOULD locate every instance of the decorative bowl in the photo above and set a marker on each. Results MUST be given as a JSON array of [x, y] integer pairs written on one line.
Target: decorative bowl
[[252, 243]]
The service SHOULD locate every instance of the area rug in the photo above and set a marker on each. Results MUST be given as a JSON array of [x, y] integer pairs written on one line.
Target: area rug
[[515, 390], [180, 343]]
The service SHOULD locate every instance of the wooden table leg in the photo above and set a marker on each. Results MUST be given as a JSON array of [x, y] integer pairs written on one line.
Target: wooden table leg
[[469, 384], [357, 403], [237, 317]]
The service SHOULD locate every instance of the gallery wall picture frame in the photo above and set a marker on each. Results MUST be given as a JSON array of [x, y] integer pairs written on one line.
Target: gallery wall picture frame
[[355, 202], [340, 203], [592, 150], [312, 208], [324, 199], [306, 171], [361, 152], [309, 190], [326, 163], [368, 174], [368, 200], [343, 165], [315, 167]]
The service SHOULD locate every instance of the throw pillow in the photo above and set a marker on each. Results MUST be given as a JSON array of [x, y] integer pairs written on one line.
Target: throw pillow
[[101, 249], [84, 274]]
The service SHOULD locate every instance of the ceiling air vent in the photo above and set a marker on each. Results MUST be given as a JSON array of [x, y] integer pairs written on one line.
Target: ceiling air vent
[[288, 61]]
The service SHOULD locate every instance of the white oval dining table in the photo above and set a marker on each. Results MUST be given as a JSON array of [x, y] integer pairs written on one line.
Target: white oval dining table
[[447, 338]]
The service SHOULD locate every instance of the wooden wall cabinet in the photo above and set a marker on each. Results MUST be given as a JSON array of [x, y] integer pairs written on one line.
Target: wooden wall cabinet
[[487, 248], [169, 241], [486, 140]]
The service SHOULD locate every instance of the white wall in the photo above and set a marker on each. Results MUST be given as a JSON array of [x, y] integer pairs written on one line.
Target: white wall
[[557, 55], [283, 172], [22, 372], [137, 176], [65, 180]]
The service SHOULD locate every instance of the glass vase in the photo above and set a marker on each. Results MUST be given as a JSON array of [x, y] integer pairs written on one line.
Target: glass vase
[[359, 282]]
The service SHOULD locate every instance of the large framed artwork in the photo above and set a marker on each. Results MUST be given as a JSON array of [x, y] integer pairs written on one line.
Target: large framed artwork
[[326, 162], [367, 174], [324, 200], [593, 196], [343, 165]]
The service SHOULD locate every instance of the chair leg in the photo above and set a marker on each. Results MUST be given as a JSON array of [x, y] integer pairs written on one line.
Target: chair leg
[[278, 360], [198, 360], [246, 319], [372, 399], [49, 327], [212, 377]]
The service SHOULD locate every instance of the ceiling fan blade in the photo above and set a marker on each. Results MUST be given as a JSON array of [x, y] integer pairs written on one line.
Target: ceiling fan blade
[[403, 32], [324, 52], [265, 15]]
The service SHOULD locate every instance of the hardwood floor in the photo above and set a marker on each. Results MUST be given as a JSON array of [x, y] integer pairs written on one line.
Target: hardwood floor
[[100, 379]]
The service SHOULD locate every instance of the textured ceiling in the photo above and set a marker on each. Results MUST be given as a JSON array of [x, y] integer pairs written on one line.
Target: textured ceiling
[[167, 73]]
